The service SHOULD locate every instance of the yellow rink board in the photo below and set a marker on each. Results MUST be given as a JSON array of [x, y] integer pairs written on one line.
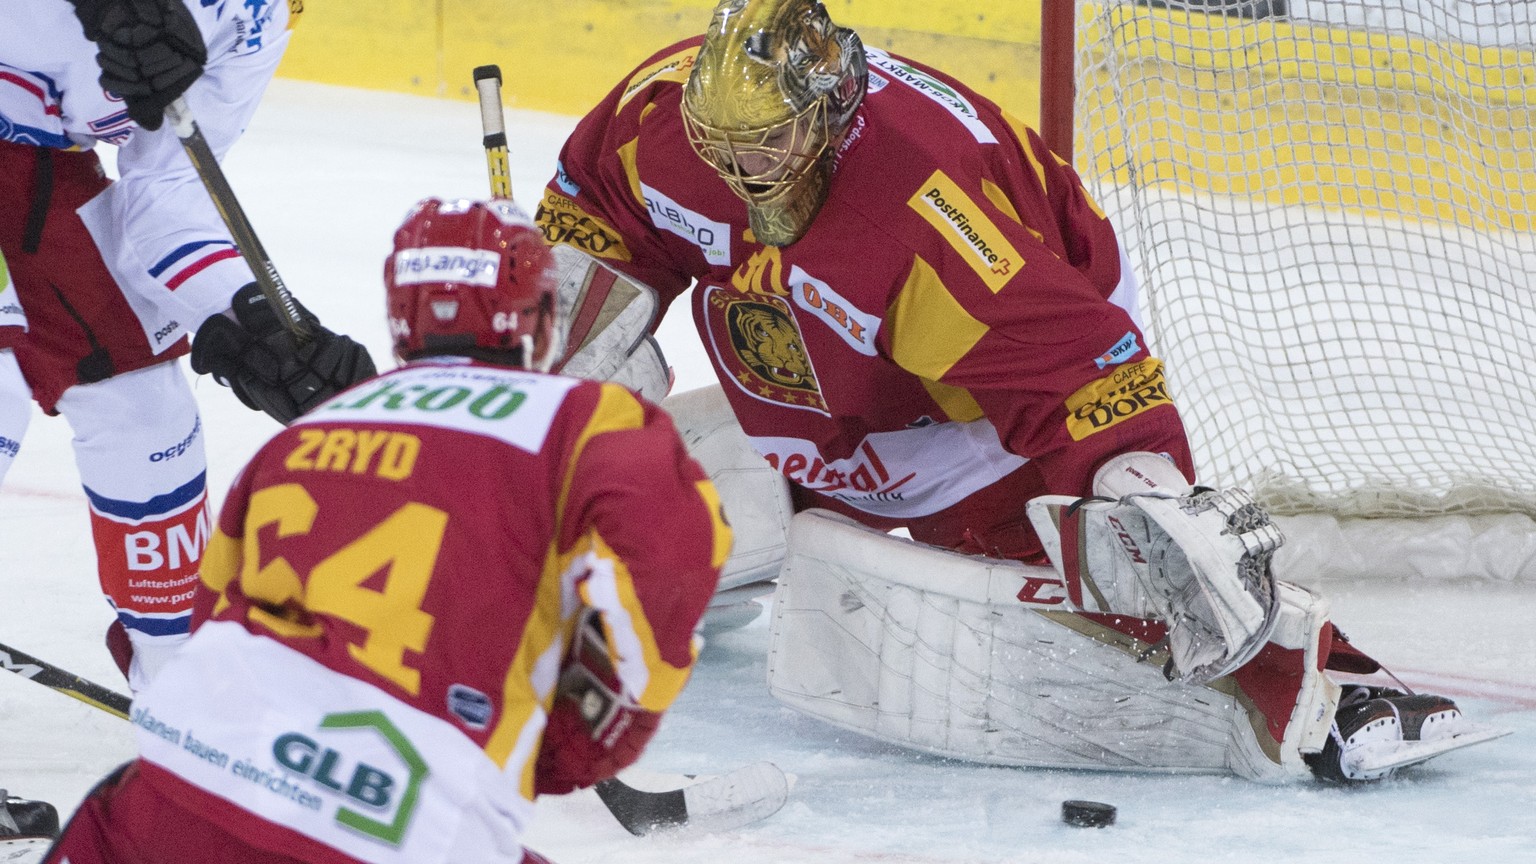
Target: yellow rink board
[[1368, 122], [1242, 106], [563, 56]]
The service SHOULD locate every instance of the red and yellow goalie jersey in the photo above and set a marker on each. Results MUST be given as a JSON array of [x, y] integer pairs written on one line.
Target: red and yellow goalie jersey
[[393, 585], [941, 341]]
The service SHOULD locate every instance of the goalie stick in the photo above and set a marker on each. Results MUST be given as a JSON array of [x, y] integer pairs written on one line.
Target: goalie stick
[[709, 803], [492, 123], [255, 255]]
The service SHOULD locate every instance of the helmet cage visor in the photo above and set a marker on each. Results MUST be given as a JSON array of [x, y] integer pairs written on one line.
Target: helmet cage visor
[[764, 165]]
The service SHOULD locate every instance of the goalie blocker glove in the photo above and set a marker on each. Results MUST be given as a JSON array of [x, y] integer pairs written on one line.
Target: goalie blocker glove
[[149, 51], [595, 730], [256, 356], [1200, 557]]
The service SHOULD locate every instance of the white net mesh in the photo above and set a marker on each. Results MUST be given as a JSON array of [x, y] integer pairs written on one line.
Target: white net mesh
[[1333, 215]]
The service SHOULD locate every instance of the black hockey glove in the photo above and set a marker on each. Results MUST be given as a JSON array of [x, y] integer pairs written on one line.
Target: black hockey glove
[[149, 51], [259, 359]]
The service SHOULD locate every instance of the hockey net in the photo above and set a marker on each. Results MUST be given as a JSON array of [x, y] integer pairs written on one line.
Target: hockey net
[[1332, 210]]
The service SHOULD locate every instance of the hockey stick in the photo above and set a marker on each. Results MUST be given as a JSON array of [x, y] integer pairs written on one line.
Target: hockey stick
[[255, 255], [718, 803], [723, 802], [488, 83], [68, 683]]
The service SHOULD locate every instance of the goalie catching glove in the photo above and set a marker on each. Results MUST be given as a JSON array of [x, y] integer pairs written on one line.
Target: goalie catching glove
[[256, 356], [1197, 558], [595, 729]]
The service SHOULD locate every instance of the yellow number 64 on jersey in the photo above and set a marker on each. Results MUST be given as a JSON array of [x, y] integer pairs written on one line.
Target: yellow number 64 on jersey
[[405, 544]]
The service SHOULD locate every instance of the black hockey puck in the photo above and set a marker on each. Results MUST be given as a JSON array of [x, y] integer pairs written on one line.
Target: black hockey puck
[[1087, 814]]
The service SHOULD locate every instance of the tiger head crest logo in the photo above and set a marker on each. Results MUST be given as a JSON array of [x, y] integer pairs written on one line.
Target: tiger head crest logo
[[759, 344]]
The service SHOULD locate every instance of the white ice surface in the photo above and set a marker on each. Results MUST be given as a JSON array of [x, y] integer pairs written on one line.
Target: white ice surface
[[325, 175]]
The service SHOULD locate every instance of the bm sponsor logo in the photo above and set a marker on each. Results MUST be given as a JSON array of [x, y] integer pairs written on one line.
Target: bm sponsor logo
[[1120, 352]]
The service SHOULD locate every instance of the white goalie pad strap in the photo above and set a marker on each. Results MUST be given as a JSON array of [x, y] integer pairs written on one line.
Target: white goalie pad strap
[[609, 315], [1200, 561], [934, 650], [1137, 472], [753, 495], [1288, 668]]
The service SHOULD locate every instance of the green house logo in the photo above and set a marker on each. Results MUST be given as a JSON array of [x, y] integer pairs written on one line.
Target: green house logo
[[356, 781]]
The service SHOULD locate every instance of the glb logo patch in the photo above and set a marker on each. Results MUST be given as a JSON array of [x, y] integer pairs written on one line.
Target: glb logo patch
[[1116, 398], [1122, 351], [758, 344], [379, 791], [945, 206], [456, 264]]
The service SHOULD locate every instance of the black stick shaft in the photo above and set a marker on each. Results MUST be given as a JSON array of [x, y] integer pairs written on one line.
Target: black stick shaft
[[235, 220], [68, 683]]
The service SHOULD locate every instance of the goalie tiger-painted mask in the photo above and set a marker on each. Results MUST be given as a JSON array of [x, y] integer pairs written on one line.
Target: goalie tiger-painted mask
[[775, 86]]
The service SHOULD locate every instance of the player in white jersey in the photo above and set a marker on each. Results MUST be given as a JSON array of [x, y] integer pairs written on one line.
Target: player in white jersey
[[114, 276]]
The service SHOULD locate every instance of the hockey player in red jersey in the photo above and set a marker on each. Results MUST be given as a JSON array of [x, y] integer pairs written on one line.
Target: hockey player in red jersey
[[110, 278], [921, 320], [446, 591]]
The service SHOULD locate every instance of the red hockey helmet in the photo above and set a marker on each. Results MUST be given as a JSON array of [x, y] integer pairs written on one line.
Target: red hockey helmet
[[473, 277]]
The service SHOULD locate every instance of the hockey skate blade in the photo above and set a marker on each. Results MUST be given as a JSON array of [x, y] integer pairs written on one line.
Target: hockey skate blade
[[1390, 755], [23, 850]]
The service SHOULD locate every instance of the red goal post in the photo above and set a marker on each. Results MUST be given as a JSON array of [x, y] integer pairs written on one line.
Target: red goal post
[[1331, 206]]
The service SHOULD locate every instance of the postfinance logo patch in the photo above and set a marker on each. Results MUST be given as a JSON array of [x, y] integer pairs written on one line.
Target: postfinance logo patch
[[962, 222]]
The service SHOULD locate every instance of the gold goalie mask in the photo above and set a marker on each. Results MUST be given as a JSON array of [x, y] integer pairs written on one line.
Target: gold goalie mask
[[775, 87]]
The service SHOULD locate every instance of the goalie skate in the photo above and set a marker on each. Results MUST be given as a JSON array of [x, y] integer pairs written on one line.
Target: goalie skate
[[1377, 731]]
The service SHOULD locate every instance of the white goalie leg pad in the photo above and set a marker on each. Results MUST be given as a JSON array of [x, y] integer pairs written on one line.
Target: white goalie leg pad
[[610, 318], [754, 496], [934, 650], [1201, 557]]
